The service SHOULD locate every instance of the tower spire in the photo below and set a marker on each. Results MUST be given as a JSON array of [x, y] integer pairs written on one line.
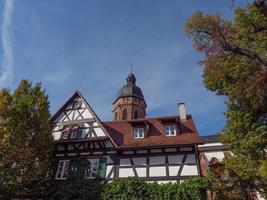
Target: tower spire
[[131, 68]]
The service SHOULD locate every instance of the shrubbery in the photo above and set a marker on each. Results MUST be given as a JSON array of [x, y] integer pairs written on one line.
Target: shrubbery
[[134, 189], [75, 188], [127, 189]]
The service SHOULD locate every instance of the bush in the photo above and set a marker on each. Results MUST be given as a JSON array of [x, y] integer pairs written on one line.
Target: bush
[[135, 189]]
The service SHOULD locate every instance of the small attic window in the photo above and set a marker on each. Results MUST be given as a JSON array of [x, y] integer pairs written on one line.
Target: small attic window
[[138, 133], [170, 130], [77, 104]]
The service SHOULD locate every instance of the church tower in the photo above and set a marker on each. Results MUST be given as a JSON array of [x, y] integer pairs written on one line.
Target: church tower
[[130, 102]]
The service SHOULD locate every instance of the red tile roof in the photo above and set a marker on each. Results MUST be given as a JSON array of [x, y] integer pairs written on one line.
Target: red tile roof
[[121, 132]]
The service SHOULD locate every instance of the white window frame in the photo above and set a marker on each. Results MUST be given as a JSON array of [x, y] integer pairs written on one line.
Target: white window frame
[[138, 133], [92, 169], [73, 134], [170, 130], [62, 169], [65, 135]]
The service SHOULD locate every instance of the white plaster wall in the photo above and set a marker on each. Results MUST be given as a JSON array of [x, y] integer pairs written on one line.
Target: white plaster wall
[[165, 182], [189, 170], [83, 105], [219, 155], [95, 124], [86, 114], [99, 132], [109, 168], [125, 172], [141, 172], [70, 114], [173, 170], [56, 135], [76, 114], [211, 144], [157, 171]]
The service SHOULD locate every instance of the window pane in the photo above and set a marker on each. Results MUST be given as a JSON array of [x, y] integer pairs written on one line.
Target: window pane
[[92, 169], [138, 133], [66, 169], [170, 130]]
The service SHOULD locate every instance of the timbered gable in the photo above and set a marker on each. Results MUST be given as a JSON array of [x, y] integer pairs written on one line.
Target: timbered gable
[[76, 120]]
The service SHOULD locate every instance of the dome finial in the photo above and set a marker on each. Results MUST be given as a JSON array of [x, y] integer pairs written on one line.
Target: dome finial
[[131, 68]]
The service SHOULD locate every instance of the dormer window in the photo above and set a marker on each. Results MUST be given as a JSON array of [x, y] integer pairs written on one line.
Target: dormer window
[[138, 133], [170, 130]]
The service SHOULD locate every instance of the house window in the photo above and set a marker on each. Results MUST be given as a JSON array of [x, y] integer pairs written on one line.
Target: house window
[[73, 134], [62, 170], [170, 130], [138, 133], [65, 135], [72, 131], [65, 132], [92, 169]]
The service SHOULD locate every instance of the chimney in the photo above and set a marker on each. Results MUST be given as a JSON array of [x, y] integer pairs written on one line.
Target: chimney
[[182, 112]]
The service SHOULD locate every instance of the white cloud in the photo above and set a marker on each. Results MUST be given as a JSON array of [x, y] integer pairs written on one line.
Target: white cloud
[[6, 76]]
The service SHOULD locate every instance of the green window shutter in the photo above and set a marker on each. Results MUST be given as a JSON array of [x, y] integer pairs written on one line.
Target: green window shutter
[[102, 167]]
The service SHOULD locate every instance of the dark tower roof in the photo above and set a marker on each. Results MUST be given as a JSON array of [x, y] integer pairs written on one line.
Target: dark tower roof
[[130, 89]]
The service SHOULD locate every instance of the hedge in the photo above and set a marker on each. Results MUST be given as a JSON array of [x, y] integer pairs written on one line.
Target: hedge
[[128, 189], [135, 189]]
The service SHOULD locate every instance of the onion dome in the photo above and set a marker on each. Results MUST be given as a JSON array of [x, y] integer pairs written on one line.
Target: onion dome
[[130, 89]]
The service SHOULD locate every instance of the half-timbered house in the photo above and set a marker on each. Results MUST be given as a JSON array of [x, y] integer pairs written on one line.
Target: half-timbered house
[[162, 149]]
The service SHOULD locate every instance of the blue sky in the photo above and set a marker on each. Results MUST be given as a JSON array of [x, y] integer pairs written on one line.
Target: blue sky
[[89, 45]]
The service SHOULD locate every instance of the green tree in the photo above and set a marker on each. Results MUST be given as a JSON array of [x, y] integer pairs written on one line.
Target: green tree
[[25, 140], [75, 188], [235, 61]]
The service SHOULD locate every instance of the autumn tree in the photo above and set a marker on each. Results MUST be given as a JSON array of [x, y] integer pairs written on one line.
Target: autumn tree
[[235, 65], [25, 140]]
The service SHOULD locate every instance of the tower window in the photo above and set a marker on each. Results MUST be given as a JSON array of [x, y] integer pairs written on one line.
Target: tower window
[[139, 133], [170, 130], [124, 114], [116, 116], [135, 114]]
